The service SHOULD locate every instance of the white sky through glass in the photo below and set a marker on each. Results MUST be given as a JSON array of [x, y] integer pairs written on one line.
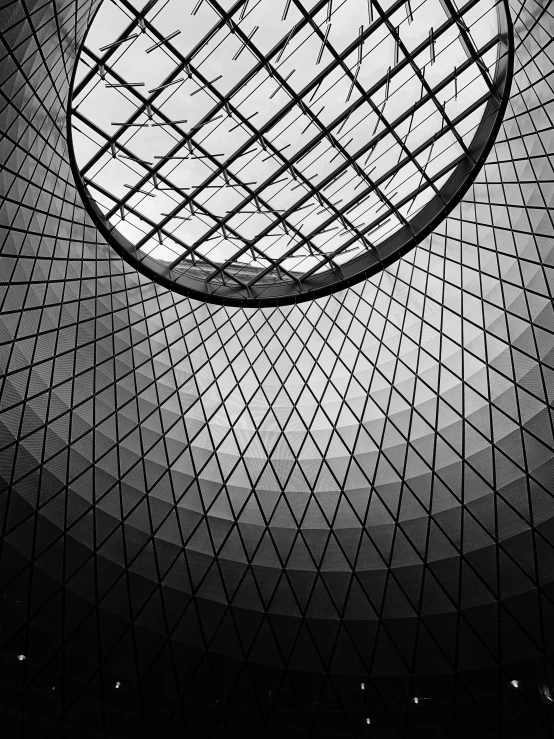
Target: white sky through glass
[[242, 165]]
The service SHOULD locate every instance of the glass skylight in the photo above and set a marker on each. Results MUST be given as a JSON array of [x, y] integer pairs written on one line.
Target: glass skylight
[[271, 150]]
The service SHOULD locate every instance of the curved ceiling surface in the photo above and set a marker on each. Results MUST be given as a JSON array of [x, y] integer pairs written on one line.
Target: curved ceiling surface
[[222, 519]]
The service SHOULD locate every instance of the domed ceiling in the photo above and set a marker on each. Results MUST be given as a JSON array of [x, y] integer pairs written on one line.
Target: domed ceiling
[[330, 519]]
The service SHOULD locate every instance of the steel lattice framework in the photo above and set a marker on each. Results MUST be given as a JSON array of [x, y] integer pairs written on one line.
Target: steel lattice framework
[[249, 274], [222, 522]]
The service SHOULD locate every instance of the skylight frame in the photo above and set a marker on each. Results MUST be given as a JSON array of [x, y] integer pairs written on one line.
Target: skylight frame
[[224, 283]]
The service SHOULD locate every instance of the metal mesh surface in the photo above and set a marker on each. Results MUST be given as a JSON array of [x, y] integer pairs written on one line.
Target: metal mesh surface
[[221, 522]]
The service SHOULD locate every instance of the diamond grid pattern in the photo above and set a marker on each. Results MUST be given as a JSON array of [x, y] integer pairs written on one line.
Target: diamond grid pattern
[[218, 520]]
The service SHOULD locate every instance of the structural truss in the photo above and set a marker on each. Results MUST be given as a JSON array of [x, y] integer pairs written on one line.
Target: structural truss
[[332, 141]]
